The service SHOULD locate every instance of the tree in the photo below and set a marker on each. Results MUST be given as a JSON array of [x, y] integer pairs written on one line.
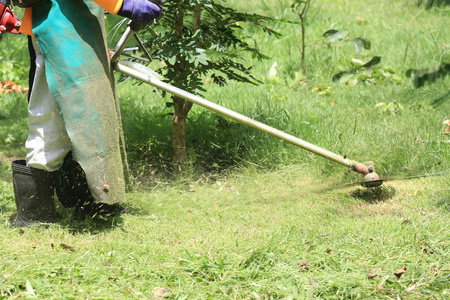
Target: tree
[[198, 38], [301, 8]]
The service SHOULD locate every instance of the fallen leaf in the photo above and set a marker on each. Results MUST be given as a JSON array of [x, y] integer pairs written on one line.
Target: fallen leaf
[[361, 262], [65, 246], [113, 278], [189, 211], [370, 276], [361, 21], [21, 232], [159, 292], [303, 264], [309, 249], [400, 272], [12, 217], [330, 251]]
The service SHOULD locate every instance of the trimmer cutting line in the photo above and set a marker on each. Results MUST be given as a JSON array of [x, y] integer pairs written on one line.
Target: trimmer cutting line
[[144, 74], [346, 185]]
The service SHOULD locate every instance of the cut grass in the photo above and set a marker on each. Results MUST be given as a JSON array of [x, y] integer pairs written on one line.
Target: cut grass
[[267, 235]]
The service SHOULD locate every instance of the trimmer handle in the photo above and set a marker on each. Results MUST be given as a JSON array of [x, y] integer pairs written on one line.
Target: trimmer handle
[[133, 27]]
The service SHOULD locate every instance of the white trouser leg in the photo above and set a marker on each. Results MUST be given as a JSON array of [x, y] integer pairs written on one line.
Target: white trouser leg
[[48, 142]]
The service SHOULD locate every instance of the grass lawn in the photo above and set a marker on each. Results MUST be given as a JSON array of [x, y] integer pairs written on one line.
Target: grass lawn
[[270, 235], [253, 217]]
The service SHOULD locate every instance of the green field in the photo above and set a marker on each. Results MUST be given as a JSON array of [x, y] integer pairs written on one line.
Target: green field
[[253, 217]]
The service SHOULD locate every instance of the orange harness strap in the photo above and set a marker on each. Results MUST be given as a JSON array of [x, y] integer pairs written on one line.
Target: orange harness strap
[[112, 6]]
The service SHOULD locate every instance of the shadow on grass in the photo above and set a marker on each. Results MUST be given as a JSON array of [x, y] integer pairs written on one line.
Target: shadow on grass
[[444, 203], [90, 225], [374, 195]]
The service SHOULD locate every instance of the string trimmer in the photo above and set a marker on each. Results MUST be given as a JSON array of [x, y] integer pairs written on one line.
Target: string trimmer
[[144, 74]]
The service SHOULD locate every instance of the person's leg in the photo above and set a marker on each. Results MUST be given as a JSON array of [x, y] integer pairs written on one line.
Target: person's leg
[[47, 144]]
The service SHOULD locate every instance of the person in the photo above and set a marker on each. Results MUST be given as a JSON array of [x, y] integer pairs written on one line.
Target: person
[[75, 145]]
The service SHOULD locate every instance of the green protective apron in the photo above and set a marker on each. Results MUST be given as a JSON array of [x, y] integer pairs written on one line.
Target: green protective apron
[[71, 36]]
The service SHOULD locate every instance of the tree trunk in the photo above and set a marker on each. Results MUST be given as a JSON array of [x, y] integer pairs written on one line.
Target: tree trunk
[[179, 153], [181, 106]]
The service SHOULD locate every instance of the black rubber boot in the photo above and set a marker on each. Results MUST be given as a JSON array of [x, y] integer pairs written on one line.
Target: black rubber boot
[[73, 191], [34, 191]]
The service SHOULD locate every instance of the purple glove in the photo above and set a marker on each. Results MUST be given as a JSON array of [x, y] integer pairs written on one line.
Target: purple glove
[[141, 11]]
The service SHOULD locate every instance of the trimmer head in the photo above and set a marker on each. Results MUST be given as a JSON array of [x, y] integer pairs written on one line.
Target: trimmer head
[[371, 179]]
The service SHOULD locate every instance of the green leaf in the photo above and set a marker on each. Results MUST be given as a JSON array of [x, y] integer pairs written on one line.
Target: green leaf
[[273, 70], [330, 32], [345, 77], [357, 62], [361, 44], [373, 62], [30, 288], [335, 35], [172, 60]]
